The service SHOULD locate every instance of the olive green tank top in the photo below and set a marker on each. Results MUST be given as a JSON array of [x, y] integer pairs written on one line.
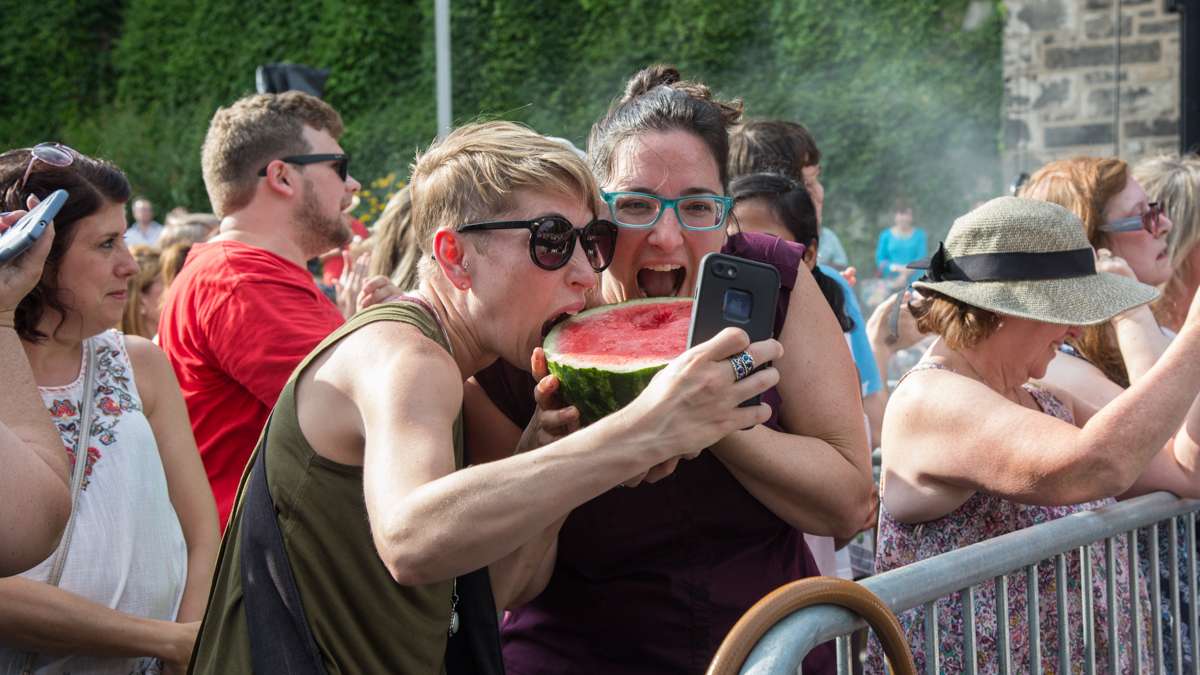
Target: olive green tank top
[[362, 620]]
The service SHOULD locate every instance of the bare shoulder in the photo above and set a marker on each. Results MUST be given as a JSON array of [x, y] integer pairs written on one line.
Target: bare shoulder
[[143, 352], [151, 369], [935, 402], [395, 355]]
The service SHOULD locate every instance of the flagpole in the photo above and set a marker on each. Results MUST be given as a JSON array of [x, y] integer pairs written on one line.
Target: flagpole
[[441, 20]]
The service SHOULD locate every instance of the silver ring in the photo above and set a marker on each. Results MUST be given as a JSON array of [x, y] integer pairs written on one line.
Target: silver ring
[[743, 365]]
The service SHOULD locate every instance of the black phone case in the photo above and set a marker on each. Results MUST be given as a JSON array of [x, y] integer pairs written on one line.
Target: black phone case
[[758, 279]]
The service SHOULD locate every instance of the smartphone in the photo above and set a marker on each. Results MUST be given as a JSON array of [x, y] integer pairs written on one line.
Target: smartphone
[[21, 236], [733, 291]]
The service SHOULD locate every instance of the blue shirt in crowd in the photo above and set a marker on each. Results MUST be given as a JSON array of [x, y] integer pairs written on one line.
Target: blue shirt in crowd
[[893, 250], [860, 346]]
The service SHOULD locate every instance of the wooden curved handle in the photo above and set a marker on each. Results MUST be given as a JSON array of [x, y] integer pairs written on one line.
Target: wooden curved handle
[[781, 602]]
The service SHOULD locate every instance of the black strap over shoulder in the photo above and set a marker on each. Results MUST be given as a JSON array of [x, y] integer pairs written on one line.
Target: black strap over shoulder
[[280, 638], [475, 648]]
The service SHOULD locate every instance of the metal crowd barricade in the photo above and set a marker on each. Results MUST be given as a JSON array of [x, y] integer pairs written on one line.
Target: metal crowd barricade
[[781, 648]]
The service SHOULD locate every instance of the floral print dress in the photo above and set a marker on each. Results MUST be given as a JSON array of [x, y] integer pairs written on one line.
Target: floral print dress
[[127, 551], [983, 517]]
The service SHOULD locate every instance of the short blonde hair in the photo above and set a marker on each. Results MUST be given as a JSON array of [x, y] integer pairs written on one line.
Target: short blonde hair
[[473, 174], [246, 136]]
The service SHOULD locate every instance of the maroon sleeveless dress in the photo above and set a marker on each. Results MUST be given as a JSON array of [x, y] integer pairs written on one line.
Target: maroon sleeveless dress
[[650, 579]]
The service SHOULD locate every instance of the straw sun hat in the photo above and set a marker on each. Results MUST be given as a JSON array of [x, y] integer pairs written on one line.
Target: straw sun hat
[[1031, 259]]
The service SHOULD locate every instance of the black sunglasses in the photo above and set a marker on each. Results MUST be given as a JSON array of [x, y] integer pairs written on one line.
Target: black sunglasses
[[341, 163], [552, 240]]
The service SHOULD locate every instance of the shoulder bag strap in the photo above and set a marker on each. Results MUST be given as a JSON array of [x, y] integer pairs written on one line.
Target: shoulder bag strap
[[474, 649], [81, 456], [281, 641]]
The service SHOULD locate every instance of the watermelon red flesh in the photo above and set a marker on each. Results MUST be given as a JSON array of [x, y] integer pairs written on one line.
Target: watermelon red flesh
[[604, 357]]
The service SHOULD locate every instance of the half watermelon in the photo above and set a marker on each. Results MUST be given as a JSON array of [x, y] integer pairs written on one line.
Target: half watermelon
[[604, 357]]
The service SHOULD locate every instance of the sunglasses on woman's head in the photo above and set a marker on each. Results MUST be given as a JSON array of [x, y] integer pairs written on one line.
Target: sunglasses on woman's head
[[1148, 221], [54, 154], [552, 240]]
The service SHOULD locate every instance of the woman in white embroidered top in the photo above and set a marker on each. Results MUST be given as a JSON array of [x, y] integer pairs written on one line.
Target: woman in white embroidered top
[[972, 449], [143, 537]]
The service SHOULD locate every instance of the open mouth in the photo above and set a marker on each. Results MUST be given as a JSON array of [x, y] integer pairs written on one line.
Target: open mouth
[[549, 325], [659, 281]]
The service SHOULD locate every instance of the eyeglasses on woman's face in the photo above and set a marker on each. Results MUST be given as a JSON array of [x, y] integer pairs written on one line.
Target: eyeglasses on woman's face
[[640, 210], [552, 240]]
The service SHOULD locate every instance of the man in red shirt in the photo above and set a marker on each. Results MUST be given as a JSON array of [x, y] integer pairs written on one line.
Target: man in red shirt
[[245, 310]]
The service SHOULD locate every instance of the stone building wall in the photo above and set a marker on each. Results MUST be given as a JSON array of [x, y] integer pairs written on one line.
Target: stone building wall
[[1062, 86]]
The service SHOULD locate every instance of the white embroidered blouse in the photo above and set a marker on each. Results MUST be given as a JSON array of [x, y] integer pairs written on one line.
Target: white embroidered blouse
[[127, 552]]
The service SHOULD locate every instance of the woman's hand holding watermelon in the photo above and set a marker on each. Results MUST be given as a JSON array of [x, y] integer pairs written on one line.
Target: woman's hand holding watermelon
[[553, 418], [693, 402]]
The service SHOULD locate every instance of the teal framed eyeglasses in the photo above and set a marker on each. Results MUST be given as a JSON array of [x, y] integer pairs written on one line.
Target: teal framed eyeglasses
[[639, 210]]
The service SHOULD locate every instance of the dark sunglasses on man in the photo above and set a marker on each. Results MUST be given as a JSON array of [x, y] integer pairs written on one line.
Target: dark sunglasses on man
[[341, 162], [552, 239], [1149, 221]]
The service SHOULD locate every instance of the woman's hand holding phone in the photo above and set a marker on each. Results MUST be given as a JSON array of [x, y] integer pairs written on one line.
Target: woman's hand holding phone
[[20, 275], [694, 401]]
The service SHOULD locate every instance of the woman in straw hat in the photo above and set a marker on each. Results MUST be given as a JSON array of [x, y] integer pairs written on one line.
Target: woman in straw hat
[[972, 450]]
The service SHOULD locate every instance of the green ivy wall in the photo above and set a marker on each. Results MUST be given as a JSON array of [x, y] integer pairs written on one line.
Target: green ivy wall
[[901, 98]]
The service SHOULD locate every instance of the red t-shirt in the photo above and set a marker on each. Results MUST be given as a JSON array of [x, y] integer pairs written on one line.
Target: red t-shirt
[[235, 323]]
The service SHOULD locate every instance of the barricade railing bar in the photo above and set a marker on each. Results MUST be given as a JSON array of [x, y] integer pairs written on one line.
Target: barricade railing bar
[[784, 646]]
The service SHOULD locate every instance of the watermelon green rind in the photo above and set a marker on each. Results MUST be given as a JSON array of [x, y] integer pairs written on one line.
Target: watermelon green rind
[[597, 390], [604, 393]]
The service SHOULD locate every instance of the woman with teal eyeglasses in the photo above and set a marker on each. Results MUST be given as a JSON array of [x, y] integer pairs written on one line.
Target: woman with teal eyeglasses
[[650, 578]]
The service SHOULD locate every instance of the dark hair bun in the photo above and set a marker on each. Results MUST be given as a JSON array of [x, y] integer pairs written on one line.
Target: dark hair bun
[[649, 78], [659, 75]]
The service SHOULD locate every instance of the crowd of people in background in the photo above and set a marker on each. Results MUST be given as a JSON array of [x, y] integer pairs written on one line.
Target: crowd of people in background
[[266, 438]]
